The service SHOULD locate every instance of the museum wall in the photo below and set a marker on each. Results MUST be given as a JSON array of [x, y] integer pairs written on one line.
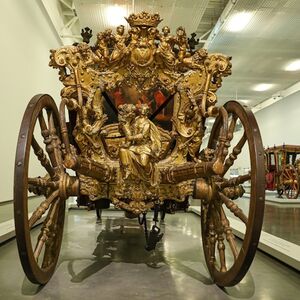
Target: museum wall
[[27, 35], [280, 122]]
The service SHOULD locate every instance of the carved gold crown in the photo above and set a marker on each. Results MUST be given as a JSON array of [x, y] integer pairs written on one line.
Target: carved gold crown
[[144, 19]]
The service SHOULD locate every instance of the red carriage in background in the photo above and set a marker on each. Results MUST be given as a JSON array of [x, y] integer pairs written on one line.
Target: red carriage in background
[[282, 165]]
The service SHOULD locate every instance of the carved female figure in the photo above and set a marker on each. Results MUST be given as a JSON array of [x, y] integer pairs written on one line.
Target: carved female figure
[[138, 155]]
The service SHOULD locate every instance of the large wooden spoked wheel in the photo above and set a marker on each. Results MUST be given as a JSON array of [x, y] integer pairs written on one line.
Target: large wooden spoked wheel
[[229, 260], [290, 180], [39, 144]]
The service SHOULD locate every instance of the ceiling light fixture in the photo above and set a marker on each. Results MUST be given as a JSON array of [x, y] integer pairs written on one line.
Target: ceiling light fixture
[[238, 21], [245, 101], [263, 87], [293, 66], [115, 15]]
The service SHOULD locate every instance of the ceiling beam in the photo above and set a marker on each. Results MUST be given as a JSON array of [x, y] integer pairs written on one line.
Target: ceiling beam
[[57, 11], [220, 23], [277, 97], [67, 4]]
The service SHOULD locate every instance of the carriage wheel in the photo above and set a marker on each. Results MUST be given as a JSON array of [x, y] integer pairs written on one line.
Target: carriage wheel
[[290, 180], [229, 260], [40, 172]]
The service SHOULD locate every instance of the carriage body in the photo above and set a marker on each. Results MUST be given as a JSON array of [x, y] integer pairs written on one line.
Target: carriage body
[[283, 169], [137, 106]]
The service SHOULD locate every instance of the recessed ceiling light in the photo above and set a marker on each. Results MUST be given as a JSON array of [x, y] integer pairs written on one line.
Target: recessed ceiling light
[[238, 21], [263, 87], [115, 15], [245, 101], [293, 66]]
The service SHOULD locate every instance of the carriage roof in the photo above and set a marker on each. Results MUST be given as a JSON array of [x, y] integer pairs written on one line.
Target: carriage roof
[[283, 148]]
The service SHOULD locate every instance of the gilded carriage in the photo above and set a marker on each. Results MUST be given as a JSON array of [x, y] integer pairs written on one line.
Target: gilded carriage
[[137, 106], [283, 170]]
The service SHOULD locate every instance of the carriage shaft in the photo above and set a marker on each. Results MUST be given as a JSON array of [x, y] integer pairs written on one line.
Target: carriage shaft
[[93, 169]]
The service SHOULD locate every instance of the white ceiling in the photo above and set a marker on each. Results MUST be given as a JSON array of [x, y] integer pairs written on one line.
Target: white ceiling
[[260, 51], [92, 13]]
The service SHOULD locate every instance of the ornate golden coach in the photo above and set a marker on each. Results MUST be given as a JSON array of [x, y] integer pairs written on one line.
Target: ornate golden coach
[[138, 105]]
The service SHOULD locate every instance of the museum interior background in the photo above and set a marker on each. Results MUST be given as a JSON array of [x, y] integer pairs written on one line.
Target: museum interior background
[[265, 73]]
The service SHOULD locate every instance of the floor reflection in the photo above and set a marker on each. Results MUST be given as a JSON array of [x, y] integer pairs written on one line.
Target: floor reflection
[[122, 241], [281, 220]]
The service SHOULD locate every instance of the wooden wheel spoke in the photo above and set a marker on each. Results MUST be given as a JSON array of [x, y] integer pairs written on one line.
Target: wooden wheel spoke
[[42, 122], [50, 139], [41, 209], [220, 241], [289, 173], [42, 182], [236, 180], [229, 235], [46, 232], [55, 140], [232, 127], [286, 175], [234, 154], [41, 156], [233, 207], [212, 241]]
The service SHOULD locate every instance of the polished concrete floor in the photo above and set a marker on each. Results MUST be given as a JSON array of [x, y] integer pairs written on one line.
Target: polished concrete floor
[[107, 261]]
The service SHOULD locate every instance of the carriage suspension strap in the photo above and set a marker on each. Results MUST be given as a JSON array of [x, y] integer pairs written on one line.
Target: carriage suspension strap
[[154, 236], [143, 221]]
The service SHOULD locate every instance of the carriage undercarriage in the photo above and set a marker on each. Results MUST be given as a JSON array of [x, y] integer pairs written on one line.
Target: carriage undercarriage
[[134, 162]]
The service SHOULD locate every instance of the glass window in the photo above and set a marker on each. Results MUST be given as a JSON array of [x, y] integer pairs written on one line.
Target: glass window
[[279, 159]]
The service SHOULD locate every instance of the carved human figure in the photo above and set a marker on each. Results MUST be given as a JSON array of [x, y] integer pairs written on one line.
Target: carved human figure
[[88, 57], [142, 147], [181, 42], [102, 44], [134, 33], [196, 61], [120, 49], [164, 50], [189, 127], [152, 36]]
